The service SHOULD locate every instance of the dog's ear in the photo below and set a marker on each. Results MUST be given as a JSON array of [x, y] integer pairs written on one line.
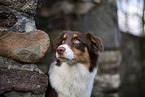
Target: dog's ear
[[96, 43], [57, 41]]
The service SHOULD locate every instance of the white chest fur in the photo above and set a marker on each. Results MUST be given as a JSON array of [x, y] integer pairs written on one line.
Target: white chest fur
[[71, 80]]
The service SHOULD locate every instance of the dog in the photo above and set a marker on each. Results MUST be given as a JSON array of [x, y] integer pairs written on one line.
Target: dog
[[72, 73]]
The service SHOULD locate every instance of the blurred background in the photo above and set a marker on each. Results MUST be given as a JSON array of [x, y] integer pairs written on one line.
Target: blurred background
[[119, 23]]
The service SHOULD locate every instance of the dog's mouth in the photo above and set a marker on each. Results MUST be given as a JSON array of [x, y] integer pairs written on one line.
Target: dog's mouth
[[69, 61]]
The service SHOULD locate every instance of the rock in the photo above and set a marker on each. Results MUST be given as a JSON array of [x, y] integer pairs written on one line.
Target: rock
[[55, 16], [81, 15], [6, 63], [110, 56], [109, 61], [106, 84], [25, 47], [25, 6], [102, 21], [16, 21], [97, 1], [61, 15], [7, 18], [21, 80], [22, 94], [83, 8]]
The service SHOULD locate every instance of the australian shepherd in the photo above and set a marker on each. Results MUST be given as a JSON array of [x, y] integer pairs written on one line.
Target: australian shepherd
[[72, 73]]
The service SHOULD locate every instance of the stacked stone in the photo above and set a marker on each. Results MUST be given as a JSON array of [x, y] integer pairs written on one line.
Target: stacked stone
[[21, 46], [19, 52], [96, 16]]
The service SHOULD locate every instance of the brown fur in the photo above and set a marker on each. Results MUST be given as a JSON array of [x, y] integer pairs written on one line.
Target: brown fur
[[86, 52], [82, 57], [75, 36]]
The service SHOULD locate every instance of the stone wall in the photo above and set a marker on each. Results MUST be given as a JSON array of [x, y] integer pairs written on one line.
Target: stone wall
[[96, 16], [20, 76], [21, 45]]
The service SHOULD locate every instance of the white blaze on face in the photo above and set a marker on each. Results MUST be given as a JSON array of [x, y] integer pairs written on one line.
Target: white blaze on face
[[68, 53]]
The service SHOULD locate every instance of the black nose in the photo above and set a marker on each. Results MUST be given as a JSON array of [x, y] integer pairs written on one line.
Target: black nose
[[60, 50]]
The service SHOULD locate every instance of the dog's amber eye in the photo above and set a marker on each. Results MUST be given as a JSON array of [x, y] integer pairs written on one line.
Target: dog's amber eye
[[76, 41]]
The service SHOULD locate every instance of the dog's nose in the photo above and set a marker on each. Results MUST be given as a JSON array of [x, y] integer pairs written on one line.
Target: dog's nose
[[60, 50]]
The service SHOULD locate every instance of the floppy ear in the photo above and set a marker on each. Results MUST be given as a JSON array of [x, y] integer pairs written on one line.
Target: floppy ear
[[57, 41], [96, 43]]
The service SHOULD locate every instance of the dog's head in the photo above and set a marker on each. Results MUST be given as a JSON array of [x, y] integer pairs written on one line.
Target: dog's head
[[76, 47]]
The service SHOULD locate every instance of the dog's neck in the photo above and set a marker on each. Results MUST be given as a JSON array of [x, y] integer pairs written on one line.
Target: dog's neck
[[71, 80]]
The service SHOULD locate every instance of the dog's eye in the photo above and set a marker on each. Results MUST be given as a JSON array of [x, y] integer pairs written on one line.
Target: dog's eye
[[76, 41], [63, 41]]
